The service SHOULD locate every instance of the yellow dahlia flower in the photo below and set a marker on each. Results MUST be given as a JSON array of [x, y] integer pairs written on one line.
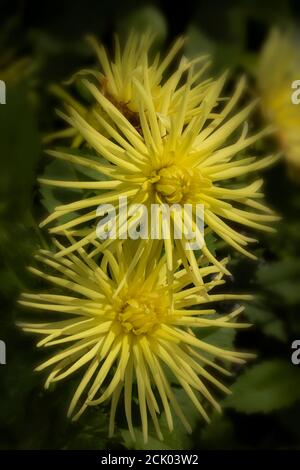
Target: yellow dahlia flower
[[174, 158], [121, 327], [279, 68], [116, 77]]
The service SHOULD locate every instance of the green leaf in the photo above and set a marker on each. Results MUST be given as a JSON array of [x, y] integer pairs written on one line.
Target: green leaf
[[54, 196], [220, 337], [265, 387], [88, 173], [282, 278], [266, 321], [219, 434], [278, 271]]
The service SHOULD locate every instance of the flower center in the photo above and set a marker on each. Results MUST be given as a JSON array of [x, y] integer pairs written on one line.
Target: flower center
[[143, 313], [129, 111], [178, 185]]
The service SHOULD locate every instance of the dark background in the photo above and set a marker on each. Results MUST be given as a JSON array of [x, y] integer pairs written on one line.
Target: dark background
[[265, 410]]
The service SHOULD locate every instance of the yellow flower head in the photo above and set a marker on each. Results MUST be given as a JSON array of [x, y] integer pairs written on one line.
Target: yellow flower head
[[122, 328], [279, 68], [185, 153], [116, 77]]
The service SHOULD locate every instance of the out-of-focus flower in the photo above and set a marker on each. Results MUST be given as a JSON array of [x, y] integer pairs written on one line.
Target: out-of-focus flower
[[182, 157], [122, 329], [278, 68]]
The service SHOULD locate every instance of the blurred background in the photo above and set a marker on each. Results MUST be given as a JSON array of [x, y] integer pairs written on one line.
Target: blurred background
[[41, 45]]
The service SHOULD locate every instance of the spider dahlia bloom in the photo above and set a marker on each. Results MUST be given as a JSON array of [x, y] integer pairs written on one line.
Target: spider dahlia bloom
[[186, 153], [116, 77], [121, 329], [279, 67]]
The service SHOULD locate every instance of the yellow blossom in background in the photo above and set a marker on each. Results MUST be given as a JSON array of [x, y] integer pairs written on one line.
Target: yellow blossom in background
[[187, 153], [123, 331], [115, 78], [279, 67]]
